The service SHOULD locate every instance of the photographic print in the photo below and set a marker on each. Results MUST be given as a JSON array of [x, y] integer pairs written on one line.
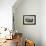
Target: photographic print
[[29, 19]]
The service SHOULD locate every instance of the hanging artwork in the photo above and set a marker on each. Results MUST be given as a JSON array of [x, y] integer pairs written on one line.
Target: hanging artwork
[[29, 19]]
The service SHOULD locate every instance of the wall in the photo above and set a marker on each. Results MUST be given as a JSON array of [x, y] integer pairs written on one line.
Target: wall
[[28, 7], [6, 13], [43, 22]]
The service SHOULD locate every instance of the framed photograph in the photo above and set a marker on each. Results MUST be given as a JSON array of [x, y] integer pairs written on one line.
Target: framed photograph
[[29, 19]]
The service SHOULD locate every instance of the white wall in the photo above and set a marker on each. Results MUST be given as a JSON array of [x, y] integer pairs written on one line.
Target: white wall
[[43, 22], [6, 13], [28, 7]]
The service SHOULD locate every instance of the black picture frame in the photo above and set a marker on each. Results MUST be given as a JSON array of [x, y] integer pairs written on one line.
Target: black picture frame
[[29, 19]]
